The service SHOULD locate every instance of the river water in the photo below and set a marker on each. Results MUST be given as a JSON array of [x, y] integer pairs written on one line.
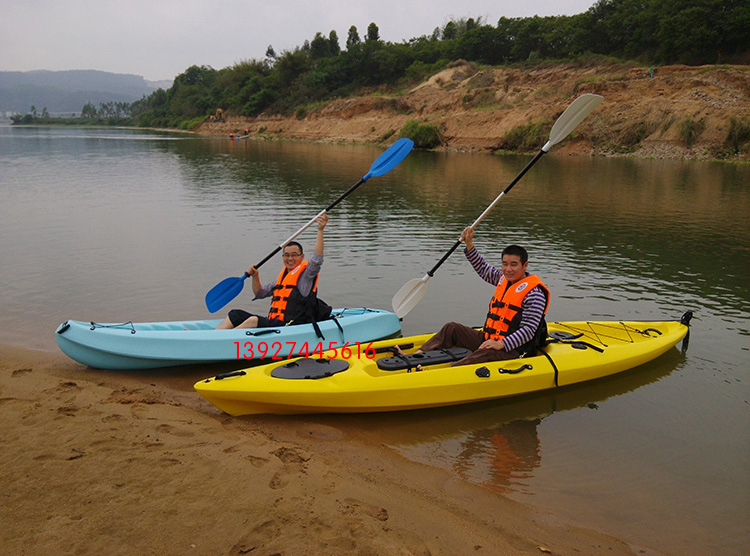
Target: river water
[[118, 225]]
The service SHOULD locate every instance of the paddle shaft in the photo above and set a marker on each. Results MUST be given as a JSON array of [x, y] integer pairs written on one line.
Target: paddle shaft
[[488, 209], [310, 223]]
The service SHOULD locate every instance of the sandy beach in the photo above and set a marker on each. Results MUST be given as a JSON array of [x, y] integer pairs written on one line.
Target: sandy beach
[[98, 462]]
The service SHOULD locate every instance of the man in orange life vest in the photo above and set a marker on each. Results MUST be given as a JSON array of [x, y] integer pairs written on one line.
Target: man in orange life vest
[[515, 322], [297, 281]]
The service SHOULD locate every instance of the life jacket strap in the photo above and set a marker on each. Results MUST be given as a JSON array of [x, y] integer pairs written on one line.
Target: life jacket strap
[[490, 331]]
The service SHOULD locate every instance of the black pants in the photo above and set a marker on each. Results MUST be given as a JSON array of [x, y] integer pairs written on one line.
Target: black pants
[[238, 316]]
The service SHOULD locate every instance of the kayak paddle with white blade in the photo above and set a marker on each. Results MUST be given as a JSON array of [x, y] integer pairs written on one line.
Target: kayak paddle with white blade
[[412, 292]]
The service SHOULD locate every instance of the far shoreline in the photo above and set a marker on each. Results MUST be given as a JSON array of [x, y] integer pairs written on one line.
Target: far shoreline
[[655, 152], [680, 112]]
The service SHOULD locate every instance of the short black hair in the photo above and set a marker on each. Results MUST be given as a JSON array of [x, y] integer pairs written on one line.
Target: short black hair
[[518, 251], [294, 243]]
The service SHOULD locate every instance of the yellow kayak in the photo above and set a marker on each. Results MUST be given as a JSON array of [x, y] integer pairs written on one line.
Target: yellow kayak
[[375, 377]]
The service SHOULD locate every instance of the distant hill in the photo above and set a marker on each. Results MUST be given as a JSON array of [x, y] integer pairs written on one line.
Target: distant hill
[[65, 92]]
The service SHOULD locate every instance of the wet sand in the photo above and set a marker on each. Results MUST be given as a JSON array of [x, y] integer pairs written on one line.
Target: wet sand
[[100, 462]]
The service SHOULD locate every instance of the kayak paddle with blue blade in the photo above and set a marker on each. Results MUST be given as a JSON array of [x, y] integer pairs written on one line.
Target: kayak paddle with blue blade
[[229, 288]]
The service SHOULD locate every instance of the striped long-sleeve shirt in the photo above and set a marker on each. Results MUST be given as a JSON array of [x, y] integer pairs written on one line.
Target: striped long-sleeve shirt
[[532, 306]]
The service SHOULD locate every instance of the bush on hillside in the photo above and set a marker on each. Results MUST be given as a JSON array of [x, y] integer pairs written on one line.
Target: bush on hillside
[[425, 136], [739, 133], [527, 137]]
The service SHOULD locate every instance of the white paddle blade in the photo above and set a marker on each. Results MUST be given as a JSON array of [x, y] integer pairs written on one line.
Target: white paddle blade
[[409, 295], [573, 115]]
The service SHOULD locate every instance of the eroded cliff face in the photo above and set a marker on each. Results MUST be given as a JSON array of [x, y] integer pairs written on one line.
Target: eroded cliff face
[[680, 112]]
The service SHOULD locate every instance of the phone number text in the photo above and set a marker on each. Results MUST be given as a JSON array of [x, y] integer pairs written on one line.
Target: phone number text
[[286, 350]]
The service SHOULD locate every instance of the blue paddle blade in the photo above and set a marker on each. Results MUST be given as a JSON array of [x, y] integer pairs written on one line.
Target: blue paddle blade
[[224, 292], [390, 158]]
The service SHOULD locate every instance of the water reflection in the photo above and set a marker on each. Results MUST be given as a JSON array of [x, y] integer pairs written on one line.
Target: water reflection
[[496, 443], [498, 457]]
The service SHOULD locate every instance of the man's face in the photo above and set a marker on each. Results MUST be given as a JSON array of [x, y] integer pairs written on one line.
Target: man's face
[[513, 268], [292, 257]]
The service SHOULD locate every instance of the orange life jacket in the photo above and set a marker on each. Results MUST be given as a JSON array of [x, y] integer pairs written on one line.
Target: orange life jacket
[[504, 316], [286, 283]]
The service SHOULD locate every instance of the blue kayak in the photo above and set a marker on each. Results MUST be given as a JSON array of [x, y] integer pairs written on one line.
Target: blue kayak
[[151, 345]]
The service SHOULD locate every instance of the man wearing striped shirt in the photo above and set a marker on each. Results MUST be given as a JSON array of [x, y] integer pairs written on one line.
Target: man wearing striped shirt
[[512, 329]]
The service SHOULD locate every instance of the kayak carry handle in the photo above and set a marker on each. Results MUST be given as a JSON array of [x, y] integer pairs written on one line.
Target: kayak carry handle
[[263, 332], [526, 367], [228, 375]]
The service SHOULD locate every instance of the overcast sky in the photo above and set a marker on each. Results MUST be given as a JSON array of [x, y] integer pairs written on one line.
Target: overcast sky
[[159, 39]]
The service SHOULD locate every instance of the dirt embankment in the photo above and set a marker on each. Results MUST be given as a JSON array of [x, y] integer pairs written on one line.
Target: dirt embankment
[[680, 112]]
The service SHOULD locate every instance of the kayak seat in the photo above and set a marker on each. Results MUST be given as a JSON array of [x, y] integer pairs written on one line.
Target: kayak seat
[[310, 368], [399, 362]]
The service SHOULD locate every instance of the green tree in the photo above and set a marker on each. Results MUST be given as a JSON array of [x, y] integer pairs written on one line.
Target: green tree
[[733, 20], [290, 66], [353, 38], [464, 25], [319, 47], [333, 43], [373, 33], [485, 44], [88, 110], [450, 31], [192, 93], [196, 75]]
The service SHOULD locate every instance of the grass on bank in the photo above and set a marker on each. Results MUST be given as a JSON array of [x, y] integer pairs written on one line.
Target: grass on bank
[[738, 135], [425, 136], [527, 137]]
